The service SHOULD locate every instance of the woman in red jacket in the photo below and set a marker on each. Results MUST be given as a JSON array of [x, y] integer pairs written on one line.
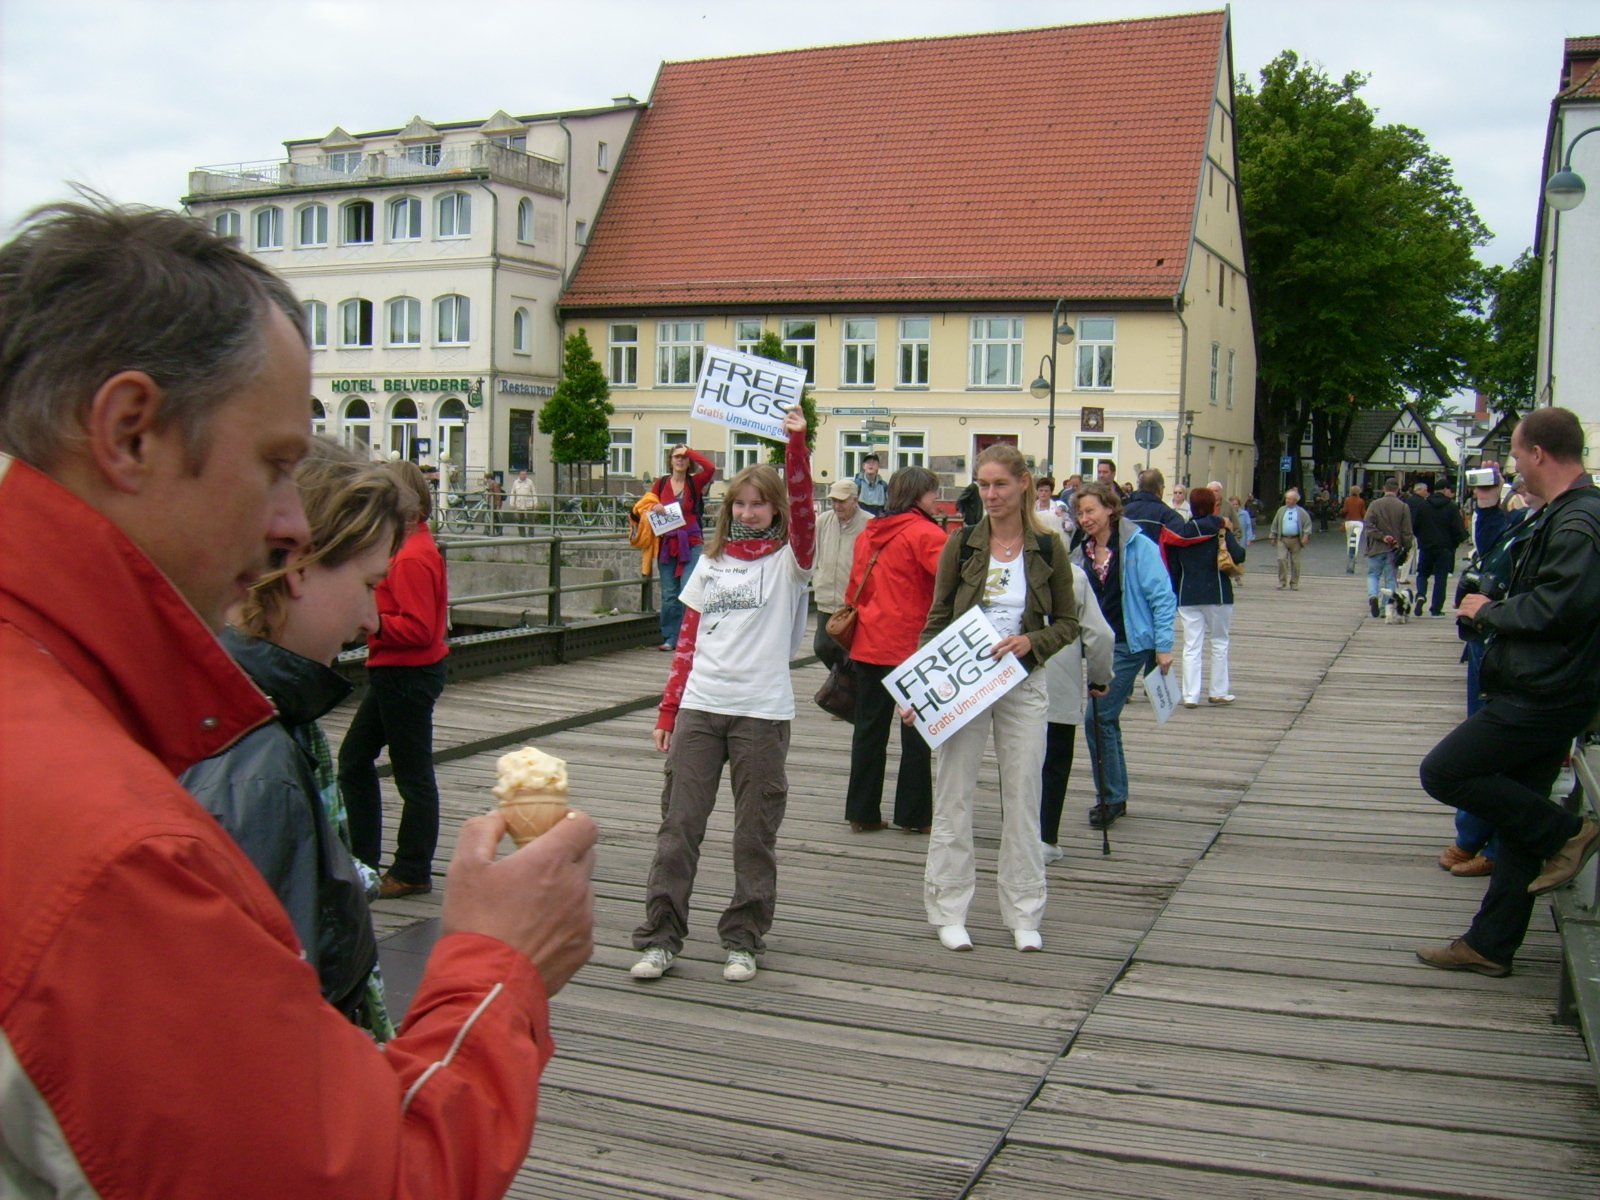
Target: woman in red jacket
[[405, 673], [892, 607], [685, 486]]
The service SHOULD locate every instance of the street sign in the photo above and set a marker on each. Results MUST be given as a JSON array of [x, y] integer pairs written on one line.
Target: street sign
[[1149, 434], [1286, 463], [874, 438], [856, 412], [879, 423]]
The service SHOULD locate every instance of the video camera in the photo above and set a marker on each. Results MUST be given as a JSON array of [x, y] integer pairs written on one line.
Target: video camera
[[1479, 477]]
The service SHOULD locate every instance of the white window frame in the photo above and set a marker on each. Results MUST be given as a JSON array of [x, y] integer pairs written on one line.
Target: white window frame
[[995, 338], [522, 331], [319, 418], [525, 221], [226, 223], [402, 316], [1216, 371], [602, 157], [666, 439], [744, 450], [349, 426], [622, 354], [267, 219], [1090, 448], [316, 214], [580, 233], [910, 449], [426, 154], [412, 231], [1096, 349], [316, 317], [351, 224], [511, 141], [743, 327], [403, 430], [452, 216], [1231, 354], [452, 320], [344, 162], [680, 348], [915, 350], [853, 447], [859, 366], [804, 348], [354, 306], [1405, 440], [619, 454]]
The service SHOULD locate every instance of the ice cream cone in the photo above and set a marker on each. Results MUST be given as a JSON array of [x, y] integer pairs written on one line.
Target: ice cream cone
[[532, 791]]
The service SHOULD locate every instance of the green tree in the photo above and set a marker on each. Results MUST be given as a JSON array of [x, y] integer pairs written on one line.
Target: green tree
[[771, 346], [1507, 361], [1363, 277], [577, 416]]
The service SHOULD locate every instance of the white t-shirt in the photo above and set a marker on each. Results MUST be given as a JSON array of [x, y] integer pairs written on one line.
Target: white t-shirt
[[748, 634], [1004, 593]]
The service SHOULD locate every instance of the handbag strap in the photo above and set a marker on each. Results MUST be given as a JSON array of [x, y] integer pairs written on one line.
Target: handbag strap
[[865, 575]]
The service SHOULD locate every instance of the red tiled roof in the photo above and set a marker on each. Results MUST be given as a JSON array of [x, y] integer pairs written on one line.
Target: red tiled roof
[[1582, 73], [1005, 166]]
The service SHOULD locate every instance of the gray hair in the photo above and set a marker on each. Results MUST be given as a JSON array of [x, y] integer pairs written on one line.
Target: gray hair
[[91, 289]]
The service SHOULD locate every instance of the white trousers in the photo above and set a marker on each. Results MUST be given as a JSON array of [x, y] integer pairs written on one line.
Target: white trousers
[[1202, 621], [1017, 720]]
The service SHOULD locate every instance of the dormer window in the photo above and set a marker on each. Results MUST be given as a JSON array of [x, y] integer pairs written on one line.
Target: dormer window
[[346, 162], [512, 141], [426, 154]]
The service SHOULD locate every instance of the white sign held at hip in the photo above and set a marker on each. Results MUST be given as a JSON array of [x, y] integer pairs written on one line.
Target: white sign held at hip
[[747, 393], [952, 679], [1163, 693], [664, 518]]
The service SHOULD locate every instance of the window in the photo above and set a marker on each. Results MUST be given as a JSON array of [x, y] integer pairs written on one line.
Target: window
[[669, 439], [525, 221], [1222, 281], [1096, 343], [454, 216], [1090, 450], [226, 224], [1230, 378], [914, 341], [602, 158], [405, 321], [403, 429], [1216, 367], [319, 418], [745, 450], [624, 356], [746, 336], [860, 352], [1405, 441], [910, 450], [679, 347], [405, 219], [521, 332], [453, 434], [357, 223], [996, 352], [427, 154], [581, 233], [355, 323], [801, 338], [511, 141], [312, 225], [357, 430], [853, 447], [316, 323], [346, 162], [619, 455], [453, 320], [268, 223]]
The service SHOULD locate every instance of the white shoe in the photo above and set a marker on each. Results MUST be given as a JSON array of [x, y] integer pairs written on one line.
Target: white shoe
[[741, 966], [1027, 940], [1191, 704], [1052, 853], [1228, 699], [954, 937], [657, 961]]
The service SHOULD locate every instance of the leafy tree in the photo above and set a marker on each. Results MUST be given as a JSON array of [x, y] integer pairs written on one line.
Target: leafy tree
[[1363, 278], [577, 416], [1507, 362], [771, 346]]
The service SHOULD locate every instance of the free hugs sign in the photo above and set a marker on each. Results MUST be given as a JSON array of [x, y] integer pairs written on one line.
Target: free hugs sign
[[747, 393], [952, 679]]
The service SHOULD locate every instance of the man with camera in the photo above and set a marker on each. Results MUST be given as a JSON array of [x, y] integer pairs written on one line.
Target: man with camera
[[1541, 683]]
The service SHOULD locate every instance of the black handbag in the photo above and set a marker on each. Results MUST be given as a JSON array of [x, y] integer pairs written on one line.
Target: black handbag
[[837, 694]]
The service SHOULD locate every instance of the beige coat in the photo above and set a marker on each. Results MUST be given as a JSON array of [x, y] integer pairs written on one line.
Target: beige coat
[[836, 548]]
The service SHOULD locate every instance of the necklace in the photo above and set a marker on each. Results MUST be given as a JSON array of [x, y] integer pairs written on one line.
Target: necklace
[[1007, 550]]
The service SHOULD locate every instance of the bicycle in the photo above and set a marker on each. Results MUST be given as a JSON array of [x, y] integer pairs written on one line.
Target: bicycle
[[466, 512]]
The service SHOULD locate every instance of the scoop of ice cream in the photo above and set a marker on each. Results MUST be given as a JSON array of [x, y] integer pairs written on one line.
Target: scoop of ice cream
[[529, 770]]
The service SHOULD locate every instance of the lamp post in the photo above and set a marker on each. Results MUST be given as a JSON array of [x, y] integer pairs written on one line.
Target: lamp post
[[1467, 421], [1060, 333], [1563, 192], [1188, 443]]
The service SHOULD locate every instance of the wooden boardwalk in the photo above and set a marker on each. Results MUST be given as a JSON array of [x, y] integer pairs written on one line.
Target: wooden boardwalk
[[1227, 1005]]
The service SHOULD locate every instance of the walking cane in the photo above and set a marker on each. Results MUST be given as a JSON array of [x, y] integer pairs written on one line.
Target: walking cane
[[1099, 775]]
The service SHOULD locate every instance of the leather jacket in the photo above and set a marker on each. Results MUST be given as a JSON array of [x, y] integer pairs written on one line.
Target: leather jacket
[[263, 790], [1543, 642]]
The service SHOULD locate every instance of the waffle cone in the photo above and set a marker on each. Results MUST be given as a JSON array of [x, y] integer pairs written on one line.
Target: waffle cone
[[530, 814]]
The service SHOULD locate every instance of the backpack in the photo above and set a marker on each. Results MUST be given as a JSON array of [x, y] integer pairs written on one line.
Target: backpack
[[1044, 542]]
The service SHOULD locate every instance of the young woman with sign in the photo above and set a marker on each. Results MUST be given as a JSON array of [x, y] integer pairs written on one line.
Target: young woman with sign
[[1018, 573], [729, 700], [679, 549]]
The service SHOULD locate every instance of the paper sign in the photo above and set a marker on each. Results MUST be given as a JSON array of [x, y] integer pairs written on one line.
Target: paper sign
[[664, 518], [1163, 693], [747, 393], [952, 679]]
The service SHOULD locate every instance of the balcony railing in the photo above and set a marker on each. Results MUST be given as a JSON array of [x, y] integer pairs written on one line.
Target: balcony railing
[[510, 166]]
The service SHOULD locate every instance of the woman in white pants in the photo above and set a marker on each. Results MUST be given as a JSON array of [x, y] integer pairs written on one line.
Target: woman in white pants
[[1205, 598], [1020, 576]]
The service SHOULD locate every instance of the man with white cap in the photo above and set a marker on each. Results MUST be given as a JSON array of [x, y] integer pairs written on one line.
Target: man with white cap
[[836, 547]]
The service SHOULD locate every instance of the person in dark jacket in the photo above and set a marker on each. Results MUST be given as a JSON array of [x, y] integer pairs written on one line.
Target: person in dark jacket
[[891, 608], [1205, 598], [274, 790], [1541, 682], [1437, 525], [1146, 509]]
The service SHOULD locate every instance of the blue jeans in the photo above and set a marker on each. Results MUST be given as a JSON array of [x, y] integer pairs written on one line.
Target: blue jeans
[[1105, 750], [1380, 570], [672, 586], [1474, 834]]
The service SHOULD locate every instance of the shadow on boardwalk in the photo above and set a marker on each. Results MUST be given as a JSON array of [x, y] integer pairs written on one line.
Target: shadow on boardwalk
[[1227, 1005]]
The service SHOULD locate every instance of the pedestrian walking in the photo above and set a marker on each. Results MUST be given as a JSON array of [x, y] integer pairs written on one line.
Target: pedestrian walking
[[1205, 599], [1290, 533]]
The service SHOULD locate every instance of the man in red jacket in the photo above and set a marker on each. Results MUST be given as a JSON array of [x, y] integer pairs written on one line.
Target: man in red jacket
[[161, 1033]]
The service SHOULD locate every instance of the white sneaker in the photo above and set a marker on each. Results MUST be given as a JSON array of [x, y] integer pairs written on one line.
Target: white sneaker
[[1027, 940], [741, 966], [655, 963], [954, 937], [1052, 853]]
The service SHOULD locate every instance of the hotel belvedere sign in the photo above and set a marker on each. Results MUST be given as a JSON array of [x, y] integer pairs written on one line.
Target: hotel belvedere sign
[[400, 385]]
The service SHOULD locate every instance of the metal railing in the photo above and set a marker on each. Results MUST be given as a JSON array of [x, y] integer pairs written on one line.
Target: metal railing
[[516, 166], [554, 588], [477, 513]]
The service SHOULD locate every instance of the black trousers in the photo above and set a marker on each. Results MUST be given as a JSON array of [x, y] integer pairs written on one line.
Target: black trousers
[[1500, 764], [1434, 565], [1059, 741], [913, 788], [397, 711]]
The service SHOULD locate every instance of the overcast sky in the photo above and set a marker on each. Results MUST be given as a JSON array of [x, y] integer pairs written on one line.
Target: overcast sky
[[128, 95]]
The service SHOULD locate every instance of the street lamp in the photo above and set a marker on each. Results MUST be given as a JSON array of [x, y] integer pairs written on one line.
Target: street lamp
[[1188, 443], [1563, 192], [1468, 421], [1060, 333]]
